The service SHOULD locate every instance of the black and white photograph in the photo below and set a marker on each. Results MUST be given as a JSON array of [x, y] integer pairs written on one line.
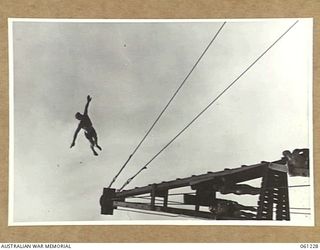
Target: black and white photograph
[[175, 122]]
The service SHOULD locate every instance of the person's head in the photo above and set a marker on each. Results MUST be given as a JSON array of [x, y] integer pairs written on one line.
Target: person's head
[[222, 208], [219, 208], [78, 116], [286, 153]]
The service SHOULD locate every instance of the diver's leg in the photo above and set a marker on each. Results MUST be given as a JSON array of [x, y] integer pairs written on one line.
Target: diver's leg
[[95, 137], [92, 148], [91, 143]]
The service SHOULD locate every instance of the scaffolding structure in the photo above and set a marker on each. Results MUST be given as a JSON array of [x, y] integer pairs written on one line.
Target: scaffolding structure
[[273, 197]]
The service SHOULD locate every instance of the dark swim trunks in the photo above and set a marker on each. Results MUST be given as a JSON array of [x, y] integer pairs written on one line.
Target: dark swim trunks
[[90, 132]]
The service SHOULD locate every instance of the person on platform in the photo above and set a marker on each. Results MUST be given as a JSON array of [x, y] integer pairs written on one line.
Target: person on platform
[[227, 209]]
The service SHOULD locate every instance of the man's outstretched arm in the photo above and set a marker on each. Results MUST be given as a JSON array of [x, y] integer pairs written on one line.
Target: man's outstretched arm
[[75, 136], [87, 105]]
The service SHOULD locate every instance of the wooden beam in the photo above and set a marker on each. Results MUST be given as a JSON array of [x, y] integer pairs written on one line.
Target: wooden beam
[[171, 210], [236, 175]]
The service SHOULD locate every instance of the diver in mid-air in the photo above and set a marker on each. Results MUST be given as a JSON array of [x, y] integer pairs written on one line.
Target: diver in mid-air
[[86, 124]]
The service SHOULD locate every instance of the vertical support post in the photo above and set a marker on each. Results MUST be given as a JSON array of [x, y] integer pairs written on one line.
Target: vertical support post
[[274, 190], [213, 196], [197, 206], [165, 200], [106, 201], [265, 204], [153, 196], [282, 207]]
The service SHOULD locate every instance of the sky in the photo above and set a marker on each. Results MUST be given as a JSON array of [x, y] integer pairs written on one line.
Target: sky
[[131, 70]]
